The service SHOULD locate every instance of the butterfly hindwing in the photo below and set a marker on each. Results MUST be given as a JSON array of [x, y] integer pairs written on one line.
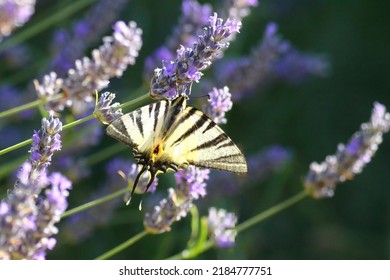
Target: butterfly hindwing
[[198, 140]]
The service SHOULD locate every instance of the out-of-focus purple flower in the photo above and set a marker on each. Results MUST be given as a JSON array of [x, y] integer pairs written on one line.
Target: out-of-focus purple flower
[[106, 112], [29, 213], [220, 102], [238, 9], [110, 60], [260, 165], [45, 142], [10, 97], [273, 59], [295, 66], [14, 14], [121, 174], [191, 61], [74, 168], [221, 225], [69, 46], [253, 71], [349, 160]]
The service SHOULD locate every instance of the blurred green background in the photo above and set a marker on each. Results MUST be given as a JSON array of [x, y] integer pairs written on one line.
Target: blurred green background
[[309, 118]]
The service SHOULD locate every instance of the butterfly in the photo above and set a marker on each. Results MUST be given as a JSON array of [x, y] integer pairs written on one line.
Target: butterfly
[[169, 136]]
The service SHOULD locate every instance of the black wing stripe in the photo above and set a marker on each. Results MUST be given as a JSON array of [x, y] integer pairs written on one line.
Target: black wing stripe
[[156, 113], [179, 121], [228, 158], [118, 130], [199, 123], [213, 142], [138, 121], [150, 110], [228, 144], [210, 126]]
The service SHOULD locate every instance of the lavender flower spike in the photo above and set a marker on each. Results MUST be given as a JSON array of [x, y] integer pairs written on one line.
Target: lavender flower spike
[[191, 61], [190, 186], [349, 160], [106, 112], [221, 227], [110, 60], [166, 213], [220, 102], [14, 14], [45, 142], [28, 214]]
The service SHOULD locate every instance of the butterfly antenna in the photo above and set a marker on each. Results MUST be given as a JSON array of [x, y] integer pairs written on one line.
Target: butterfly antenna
[[136, 182], [152, 177]]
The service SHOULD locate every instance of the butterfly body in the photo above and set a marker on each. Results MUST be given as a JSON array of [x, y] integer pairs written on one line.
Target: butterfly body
[[169, 135]]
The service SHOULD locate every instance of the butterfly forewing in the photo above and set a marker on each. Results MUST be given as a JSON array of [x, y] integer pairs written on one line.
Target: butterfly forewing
[[141, 127]]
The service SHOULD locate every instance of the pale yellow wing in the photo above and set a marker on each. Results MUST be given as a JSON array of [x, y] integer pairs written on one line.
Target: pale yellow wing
[[197, 140]]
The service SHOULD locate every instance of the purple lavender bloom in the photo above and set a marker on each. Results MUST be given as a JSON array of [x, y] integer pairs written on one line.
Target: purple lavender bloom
[[191, 182], [221, 227], [85, 32], [190, 186], [14, 14], [106, 112], [193, 18], [349, 160], [29, 213], [169, 210], [110, 60], [220, 102], [45, 142], [191, 61]]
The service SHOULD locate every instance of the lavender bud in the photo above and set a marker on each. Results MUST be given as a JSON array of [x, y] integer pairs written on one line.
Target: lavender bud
[[90, 75], [220, 102], [106, 112], [45, 142], [191, 61], [221, 227]]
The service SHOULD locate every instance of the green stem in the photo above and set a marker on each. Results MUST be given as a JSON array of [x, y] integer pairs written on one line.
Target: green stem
[[135, 101], [29, 141], [15, 147], [193, 252], [271, 211], [94, 203], [77, 122], [187, 254], [122, 246], [32, 30], [23, 107]]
